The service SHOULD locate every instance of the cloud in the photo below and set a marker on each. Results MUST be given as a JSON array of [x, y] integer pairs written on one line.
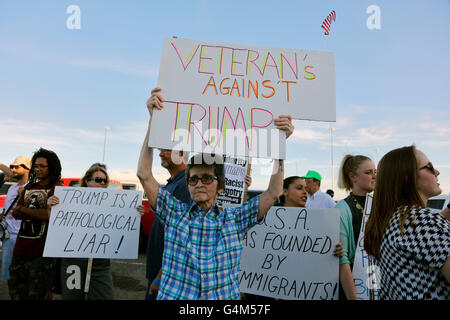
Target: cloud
[[113, 64]]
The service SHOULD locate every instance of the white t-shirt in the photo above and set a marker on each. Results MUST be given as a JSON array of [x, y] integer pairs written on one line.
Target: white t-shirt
[[13, 225], [320, 200]]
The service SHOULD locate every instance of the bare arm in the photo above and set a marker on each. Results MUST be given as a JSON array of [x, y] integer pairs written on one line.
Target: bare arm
[[144, 171], [275, 189], [346, 279], [22, 212]]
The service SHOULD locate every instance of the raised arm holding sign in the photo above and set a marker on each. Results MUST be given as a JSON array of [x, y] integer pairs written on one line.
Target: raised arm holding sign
[[213, 240]]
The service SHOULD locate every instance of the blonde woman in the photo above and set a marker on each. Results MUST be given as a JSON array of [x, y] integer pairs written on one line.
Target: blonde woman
[[357, 176]]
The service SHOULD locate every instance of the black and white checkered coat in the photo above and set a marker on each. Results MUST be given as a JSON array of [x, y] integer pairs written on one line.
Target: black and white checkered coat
[[410, 264]]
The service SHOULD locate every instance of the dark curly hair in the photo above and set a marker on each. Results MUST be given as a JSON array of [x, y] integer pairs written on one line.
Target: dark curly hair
[[54, 166]]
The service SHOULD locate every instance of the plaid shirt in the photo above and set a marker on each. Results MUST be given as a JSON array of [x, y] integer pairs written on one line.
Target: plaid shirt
[[202, 249]]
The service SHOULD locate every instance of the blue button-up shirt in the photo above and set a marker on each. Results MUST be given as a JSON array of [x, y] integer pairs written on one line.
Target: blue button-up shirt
[[202, 249]]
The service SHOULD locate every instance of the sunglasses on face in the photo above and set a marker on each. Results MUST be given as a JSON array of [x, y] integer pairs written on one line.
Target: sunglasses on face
[[206, 179], [430, 167], [12, 166], [99, 180]]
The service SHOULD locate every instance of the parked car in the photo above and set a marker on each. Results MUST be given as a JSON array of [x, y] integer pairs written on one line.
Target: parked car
[[438, 202]]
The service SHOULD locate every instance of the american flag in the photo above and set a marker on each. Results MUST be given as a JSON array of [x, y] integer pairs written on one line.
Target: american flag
[[327, 22]]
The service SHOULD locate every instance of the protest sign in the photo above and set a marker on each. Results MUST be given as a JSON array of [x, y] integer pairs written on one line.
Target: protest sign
[[223, 98], [364, 271], [94, 223], [289, 255], [235, 172]]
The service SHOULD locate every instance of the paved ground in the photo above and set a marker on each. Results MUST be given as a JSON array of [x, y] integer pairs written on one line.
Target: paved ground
[[128, 275]]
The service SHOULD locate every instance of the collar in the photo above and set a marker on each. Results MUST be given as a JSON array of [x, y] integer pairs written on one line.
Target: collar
[[315, 193], [178, 176], [195, 210]]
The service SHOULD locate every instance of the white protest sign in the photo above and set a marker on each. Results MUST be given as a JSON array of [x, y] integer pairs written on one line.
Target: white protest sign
[[290, 255], [235, 172], [364, 271], [94, 223], [222, 98]]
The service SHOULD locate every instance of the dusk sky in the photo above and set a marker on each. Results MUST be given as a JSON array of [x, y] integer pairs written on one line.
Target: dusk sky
[[60, 87]]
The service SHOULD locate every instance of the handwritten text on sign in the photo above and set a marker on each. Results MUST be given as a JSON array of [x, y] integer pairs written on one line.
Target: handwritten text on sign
[[223, 98], [94, 223], [290, 255], [364, 272]]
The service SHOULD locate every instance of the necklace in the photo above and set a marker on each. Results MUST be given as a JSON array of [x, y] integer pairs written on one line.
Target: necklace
[[357, 205]]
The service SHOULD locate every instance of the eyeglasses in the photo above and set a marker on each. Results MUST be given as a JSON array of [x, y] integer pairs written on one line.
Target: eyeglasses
[[206, 179], [430, 167], [13, 166], [40, 166], [99, 180]]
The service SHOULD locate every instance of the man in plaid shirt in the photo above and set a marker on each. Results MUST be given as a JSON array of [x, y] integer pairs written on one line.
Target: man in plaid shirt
[[202, 242]]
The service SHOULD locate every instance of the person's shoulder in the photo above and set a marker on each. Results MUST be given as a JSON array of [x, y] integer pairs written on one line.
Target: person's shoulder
[[341, 203], [429, 216]]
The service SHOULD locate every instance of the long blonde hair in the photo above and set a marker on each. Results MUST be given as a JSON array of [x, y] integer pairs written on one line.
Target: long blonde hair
[[349, 163]]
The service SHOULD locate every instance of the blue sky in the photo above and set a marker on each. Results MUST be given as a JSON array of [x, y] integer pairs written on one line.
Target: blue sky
[[60, 87]]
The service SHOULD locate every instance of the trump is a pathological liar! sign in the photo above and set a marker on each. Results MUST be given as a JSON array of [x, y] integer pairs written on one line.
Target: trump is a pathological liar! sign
[[223, 98], [94, 223]]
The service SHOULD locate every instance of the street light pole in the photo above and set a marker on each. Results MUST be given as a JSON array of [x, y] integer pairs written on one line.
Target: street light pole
[[104, 144], [332, 165]]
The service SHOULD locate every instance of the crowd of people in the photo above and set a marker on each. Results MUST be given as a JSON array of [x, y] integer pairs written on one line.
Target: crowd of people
[[194, 246]]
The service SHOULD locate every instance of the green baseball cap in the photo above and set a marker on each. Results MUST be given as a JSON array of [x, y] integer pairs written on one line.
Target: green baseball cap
[[312, 174]]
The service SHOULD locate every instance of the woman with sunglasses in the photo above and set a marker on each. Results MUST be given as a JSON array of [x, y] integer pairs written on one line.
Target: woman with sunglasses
[[74, 270], [357, 176], [410, 243]]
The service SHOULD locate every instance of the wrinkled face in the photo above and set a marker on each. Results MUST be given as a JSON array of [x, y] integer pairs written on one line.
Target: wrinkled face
[[312, 185], [41, 168], [427, 180], [295, 195], [98, 180], [364, 177], [203, 192]]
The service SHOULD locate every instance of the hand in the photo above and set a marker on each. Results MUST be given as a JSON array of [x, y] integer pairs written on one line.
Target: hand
[[155, 101], [141, 209], [52, 201], [16, 213], [338, 251], [153, 291], [248, 180], [284, 123]]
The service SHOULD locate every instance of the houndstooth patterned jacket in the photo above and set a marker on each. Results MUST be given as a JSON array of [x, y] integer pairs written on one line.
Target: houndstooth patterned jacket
[[410, 264]]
